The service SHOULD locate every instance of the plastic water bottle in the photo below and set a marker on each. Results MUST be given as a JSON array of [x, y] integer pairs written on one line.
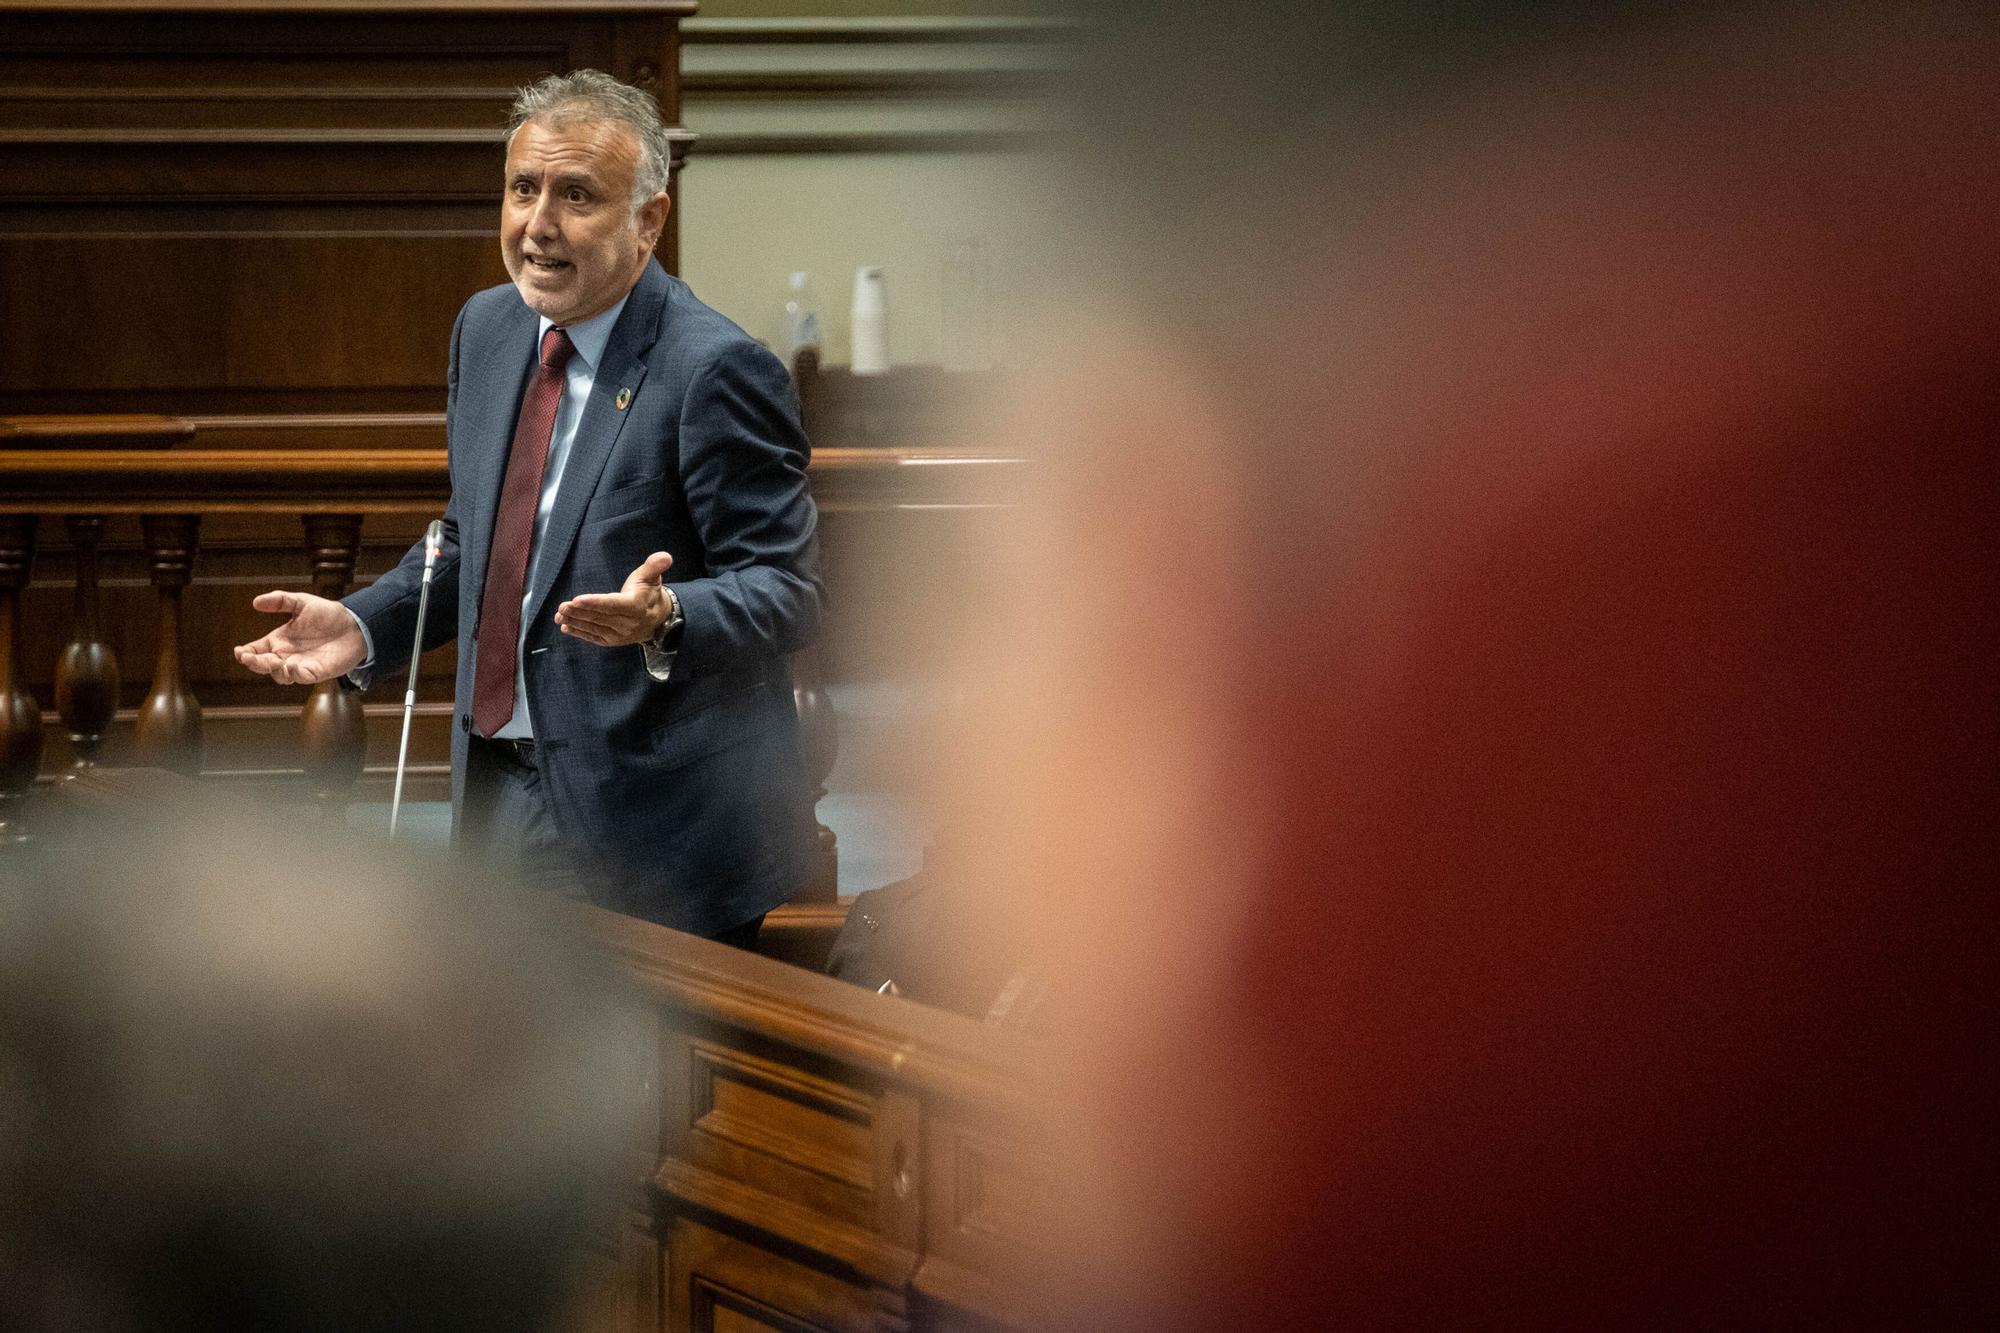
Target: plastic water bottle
[[798, 330]]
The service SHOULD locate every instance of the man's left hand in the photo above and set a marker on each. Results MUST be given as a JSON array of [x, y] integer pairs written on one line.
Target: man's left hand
[[633, 614]]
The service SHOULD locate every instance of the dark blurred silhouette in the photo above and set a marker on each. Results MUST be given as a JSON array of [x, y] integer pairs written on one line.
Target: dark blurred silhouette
[[238, 1091], [1505, 766]]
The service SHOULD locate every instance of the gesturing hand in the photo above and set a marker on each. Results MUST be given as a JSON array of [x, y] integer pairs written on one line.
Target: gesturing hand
[[633, 614], [319, 642]]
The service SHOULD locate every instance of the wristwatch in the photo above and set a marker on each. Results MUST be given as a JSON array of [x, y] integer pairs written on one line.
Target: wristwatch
[[668, 636]]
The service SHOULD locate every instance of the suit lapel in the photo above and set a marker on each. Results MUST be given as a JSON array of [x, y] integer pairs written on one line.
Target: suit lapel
[[490, 395], [622, 368]]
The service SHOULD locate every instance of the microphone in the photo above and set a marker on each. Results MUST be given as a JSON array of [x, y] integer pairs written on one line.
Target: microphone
[[433, 540]]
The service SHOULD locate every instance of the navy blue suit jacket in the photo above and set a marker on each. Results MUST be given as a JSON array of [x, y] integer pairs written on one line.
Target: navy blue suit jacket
[[685, 800]]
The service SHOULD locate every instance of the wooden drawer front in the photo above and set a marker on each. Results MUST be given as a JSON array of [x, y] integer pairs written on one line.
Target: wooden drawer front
[[994, 1198], [783, 1130], [984, 1218], [719, 1284], [990, 1197]]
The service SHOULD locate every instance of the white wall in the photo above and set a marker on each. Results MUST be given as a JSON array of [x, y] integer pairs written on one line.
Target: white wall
[[851, 142]]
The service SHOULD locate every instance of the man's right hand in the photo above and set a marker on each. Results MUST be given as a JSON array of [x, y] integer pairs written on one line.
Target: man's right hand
[[319, 642]]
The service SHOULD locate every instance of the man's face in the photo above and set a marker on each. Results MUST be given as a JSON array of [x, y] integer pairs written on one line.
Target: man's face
[[568, 233]]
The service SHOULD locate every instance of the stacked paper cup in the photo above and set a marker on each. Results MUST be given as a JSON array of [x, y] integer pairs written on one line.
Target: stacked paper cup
[[871, 322]]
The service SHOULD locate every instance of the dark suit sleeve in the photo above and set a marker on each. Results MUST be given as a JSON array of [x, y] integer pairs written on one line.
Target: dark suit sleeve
[[388, 606], [743, 470]]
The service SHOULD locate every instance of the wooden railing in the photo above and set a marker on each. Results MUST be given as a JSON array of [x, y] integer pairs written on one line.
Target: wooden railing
[[92, 471]]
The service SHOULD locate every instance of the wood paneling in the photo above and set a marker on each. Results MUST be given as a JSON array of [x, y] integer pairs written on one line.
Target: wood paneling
[[872, 30], [868, 83], [275, 208], [384, 304]]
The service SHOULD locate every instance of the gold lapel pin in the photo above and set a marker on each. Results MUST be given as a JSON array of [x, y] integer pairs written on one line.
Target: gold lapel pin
[[624, 399]]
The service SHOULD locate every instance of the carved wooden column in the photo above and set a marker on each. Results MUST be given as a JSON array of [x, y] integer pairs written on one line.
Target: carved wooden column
[[20, 717], [335, 733], [822, 746], [169, 730], [87, 671]]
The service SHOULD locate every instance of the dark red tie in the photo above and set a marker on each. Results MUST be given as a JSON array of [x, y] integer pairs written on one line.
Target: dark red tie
[[513, 533]]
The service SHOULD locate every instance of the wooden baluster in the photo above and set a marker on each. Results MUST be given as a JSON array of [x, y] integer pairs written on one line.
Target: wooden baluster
[[334, 731], [169, 730], [20, 717], [87, 671], [821, 735]]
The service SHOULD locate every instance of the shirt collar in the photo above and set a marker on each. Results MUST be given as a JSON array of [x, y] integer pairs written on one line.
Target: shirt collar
[[589, 337]]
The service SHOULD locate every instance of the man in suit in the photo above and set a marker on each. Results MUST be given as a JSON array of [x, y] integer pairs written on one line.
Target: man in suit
[[629, 552]]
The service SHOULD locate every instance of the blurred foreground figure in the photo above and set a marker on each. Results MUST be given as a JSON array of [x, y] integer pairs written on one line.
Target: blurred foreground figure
[[1505, 769], [250, 1078]]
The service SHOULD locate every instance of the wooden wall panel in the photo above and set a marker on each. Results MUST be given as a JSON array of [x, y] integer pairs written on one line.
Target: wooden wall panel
[[275, 208], [330, 166], [106, 53], [246, 321]]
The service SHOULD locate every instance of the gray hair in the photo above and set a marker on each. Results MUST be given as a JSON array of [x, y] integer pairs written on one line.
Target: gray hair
[[587, 95]]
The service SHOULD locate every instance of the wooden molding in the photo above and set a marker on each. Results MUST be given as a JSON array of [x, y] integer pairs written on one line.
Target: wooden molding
[[873, 141], [291, 136], [321, 430], [135, 430], [891, 1039], [872, 31], [373, 8], [304, 136], [259, 481], [415, 481], [876, 479], [868, 82]]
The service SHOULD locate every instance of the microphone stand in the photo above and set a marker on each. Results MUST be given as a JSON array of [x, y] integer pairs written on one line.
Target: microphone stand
[[433, 539]]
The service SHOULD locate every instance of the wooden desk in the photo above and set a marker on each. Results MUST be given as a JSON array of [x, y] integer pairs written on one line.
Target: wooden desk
[[828, 1158]]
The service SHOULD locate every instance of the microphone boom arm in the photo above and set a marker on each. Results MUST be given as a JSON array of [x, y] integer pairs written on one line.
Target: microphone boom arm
[[433, 540]]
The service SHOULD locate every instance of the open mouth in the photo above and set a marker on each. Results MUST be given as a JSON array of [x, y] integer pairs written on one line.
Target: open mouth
[[541, 265]]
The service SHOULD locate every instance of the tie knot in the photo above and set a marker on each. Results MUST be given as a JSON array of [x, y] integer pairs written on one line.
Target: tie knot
[[556, 348]]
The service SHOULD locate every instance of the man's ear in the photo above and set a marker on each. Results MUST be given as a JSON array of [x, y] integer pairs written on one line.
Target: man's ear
[[652, 218]]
